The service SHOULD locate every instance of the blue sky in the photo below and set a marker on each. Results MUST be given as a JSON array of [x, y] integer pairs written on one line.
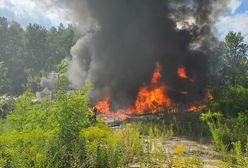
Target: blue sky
[[243, 7], [236, 20], [29, 11]]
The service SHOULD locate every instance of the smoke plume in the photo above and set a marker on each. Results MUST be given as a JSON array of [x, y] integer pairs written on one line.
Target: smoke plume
[[123, 39]]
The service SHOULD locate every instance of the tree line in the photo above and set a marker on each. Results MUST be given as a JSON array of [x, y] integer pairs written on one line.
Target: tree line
[[30, 51]]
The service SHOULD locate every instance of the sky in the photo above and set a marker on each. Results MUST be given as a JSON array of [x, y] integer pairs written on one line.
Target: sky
[[236, 20], [28, 11]]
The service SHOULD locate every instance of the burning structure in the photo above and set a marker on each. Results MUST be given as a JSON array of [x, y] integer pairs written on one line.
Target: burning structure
[[143, 54]]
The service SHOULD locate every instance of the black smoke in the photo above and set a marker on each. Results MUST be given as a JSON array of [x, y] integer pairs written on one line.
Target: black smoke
[[119, 56]]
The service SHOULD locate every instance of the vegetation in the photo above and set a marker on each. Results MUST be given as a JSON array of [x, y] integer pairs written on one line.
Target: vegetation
[[227, 113], [27, 53]]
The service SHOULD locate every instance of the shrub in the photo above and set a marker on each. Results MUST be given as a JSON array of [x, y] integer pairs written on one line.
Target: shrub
[[7, 104], [111, 148], [45, 134]]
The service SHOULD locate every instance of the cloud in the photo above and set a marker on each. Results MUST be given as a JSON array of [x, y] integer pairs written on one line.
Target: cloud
[[236, 23], [234, 5], [28, 11]]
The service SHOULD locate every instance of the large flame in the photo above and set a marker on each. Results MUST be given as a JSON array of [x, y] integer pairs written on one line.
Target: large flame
[[103, 105], [150, 98]]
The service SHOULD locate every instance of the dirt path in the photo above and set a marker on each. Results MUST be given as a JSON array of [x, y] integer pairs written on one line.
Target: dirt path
[[192, 148]]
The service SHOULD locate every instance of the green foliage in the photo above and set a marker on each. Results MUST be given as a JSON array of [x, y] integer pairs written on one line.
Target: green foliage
[[62, 69], [230, 124], [229, 137], [217, 129], [235, 69], [3, 77], [7, 104], [112, 148], [238, 156], [230, 101], [45, 134], [28, 52], [180, 162], [33, 80]]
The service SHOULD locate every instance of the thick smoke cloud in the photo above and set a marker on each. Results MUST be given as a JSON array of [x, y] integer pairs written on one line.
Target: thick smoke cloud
[[123, 39]]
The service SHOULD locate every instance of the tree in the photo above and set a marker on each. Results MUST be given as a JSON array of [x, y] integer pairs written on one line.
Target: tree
[[14, 53], [36, 48], [29, 53], [3, 37], [235, 69], [3, 77]]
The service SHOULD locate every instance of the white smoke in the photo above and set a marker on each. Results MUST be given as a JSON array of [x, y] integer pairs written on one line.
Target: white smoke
[[49, 85]]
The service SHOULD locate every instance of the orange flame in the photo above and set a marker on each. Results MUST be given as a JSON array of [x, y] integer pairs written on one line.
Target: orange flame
[[181, 72], [156, 74], [103, 105], [196, 108], [150, 97]]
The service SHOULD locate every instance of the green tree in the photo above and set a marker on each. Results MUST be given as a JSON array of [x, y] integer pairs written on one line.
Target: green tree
[[14, 51], [32, 52], [3, 78], [235, 60], [60, 41], [36, 48], [3, 37]]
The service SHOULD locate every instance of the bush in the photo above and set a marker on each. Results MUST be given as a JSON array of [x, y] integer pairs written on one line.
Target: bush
[[111, 148], [45, 134], [7, 104], [230, 101]]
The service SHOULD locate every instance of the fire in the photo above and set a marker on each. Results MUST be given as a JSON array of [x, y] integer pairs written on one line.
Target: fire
[[192, 108], [181, 72], [196, 108], [103, 105], [151, 99], [156, 74]]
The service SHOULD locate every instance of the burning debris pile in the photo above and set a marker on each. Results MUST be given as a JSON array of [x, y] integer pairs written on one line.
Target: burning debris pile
[[151, 98], [124, 39]]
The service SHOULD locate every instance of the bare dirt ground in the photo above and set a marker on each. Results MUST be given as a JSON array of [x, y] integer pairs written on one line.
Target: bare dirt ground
[[192, 148]]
